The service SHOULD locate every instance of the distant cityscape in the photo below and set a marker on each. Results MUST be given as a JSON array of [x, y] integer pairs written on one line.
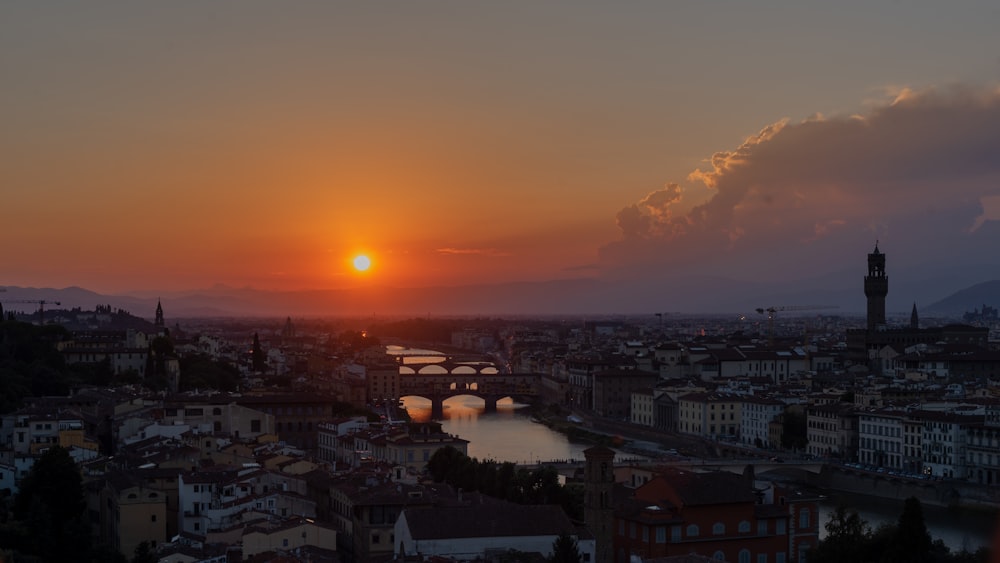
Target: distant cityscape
[[284, 439]]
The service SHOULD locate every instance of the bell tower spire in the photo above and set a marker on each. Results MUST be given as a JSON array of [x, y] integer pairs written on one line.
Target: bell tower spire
[[158, 321]]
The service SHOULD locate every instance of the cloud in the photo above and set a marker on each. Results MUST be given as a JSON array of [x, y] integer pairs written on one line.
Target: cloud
[[653, 216], [919, 170], [471, 251]]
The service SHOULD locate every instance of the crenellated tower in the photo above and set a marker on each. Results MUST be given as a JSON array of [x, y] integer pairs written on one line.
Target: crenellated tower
[[876, 288]]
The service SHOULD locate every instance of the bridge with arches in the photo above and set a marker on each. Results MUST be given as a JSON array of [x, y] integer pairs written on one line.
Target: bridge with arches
[[440, 381]]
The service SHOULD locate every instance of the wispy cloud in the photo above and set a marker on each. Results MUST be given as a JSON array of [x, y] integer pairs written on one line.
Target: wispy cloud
[[472, 251]]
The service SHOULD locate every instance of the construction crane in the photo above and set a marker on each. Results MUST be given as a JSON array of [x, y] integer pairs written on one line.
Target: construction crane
[[41, 306], [772, 310]]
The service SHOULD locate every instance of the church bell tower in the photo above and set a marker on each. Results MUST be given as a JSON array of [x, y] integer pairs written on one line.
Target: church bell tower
[[876, 288]]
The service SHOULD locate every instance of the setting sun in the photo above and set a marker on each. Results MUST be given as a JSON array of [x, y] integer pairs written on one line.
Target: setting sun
[[362, 263]]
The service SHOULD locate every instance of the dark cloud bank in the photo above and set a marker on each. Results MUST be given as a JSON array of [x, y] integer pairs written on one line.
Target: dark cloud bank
[[796, 207]]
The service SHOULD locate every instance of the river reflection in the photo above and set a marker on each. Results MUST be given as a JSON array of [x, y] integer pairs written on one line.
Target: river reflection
[[506, 435]]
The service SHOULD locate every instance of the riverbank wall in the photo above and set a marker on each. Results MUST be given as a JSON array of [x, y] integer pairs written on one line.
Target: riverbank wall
[[937, 493], [944, 493]]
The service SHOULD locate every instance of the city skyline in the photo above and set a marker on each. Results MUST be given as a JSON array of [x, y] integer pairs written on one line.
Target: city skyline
[[181, 146]]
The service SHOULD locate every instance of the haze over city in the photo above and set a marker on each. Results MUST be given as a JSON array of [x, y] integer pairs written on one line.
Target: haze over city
[[602, 157]]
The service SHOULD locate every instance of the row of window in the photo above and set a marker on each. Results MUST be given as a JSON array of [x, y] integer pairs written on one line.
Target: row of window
[[635, 531]]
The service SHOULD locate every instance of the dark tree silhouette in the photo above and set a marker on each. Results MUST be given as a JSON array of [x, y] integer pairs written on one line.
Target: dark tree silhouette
[[847, 538], [257, 360], [911, 542], [144, 554], [50, 506], [564, 550], [793, 436]]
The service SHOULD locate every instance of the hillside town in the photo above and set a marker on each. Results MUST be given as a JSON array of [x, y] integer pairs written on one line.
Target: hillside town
[[211, 440]]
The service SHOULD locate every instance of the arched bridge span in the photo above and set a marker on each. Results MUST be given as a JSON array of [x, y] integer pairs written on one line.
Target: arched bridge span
[[490, 387]]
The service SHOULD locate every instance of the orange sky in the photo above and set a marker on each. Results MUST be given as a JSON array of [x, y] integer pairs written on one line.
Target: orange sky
[[183, 145]]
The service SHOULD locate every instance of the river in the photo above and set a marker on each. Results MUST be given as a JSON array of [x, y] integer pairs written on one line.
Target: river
[[510, 435], [506, 435]]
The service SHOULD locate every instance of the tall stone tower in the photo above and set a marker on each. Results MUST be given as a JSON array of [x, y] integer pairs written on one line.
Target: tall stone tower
[[876, 288], [598, 510]]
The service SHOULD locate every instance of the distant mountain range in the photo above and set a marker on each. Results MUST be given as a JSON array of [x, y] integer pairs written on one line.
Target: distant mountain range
[[968, 299], [683, 294]]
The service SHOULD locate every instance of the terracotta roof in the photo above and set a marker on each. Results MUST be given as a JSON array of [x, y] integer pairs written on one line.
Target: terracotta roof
[[694, 489]]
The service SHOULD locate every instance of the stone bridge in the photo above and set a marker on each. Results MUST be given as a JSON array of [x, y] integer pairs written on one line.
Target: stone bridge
[[441, 381], [760, 465]]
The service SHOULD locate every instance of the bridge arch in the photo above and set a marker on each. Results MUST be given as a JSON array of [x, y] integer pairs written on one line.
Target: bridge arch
[[490, 387]]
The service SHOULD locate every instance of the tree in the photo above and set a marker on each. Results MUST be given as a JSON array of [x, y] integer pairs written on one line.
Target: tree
[[442, 462], [911, 542], [144, 553], [257, 360], [847, 538], [564, 550], [793, 435], [54, 482], [160, 350], [50, 506], [201, 371]]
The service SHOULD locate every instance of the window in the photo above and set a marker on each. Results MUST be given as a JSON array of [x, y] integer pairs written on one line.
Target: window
[[761, 558], [284, 542], [718, 529], [744, 527], [779, 557], [744, 556], [675, 533], [804, 518], [255, 425], [692, 531], [719, 556], [376, 538], [762, 527], [152, 518], [197, 526], [661, 534]]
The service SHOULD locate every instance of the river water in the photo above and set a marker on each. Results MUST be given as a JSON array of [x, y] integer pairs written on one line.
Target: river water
[[509, 434]]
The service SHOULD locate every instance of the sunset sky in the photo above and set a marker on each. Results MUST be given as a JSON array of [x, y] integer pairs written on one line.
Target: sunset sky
[[177, 145]]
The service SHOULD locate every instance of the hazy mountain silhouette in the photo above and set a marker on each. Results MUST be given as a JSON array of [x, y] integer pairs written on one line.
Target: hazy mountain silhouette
[[968, 299], [682, 293]]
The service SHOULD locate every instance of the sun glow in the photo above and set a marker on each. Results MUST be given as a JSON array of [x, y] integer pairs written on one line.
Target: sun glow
[[362, 263]]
